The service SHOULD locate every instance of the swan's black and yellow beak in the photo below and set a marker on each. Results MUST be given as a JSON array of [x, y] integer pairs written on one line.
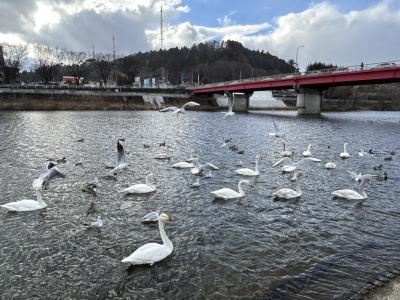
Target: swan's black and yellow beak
[[167, 218]]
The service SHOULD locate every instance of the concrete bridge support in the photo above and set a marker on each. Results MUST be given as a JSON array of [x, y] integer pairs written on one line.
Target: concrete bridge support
[[309, 102], [241, 102]]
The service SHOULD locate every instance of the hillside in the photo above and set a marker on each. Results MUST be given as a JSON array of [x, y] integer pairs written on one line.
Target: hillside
[[209, 62]]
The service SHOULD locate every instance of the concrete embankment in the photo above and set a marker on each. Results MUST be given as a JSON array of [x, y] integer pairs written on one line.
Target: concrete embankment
[[58, 99]]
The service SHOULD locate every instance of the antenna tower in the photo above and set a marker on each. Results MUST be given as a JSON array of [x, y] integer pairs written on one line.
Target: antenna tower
[[161, 30]]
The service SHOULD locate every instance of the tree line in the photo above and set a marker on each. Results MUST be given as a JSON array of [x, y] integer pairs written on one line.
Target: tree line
[[204, 62]]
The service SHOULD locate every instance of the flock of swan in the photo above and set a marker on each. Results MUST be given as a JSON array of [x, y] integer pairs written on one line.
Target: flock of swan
[[153, 252]]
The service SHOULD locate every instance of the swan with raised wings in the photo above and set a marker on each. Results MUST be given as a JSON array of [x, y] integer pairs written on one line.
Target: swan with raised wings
[[152, 252], [250, 172], [226, 193]]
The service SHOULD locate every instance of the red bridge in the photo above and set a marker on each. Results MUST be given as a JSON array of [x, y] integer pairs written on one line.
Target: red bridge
[[309, 85]]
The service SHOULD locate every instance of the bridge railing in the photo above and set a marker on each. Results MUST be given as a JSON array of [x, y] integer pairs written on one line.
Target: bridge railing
[[340, 69]]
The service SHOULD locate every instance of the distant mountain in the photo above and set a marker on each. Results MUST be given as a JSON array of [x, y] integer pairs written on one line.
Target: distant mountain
[[207, 62]]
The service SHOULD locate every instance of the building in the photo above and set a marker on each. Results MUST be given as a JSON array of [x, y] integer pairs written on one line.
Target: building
[[2, 75]]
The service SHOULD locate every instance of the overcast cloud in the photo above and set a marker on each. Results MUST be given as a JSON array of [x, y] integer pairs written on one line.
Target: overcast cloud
[[328, 35]]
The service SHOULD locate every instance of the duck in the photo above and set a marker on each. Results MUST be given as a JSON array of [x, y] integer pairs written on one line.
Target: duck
[[151, 253], [344, 154], [26, 204], [288, 193], [351, 194], [141, 188], [250, 172], [307, 153], [382, 177], [226, 193]]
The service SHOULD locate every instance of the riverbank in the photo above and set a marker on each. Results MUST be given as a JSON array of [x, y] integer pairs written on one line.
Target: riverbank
[[34, 99]]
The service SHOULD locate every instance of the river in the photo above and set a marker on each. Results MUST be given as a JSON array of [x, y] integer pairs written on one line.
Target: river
[[314, 248]]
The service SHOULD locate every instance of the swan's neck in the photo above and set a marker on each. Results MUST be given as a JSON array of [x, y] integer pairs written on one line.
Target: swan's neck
[[309, 147], [361, 188], [39, 197], [256, 168], [298, 185], [345, 148], [241, 191], [284, 147], [164, 237], [148, 180]]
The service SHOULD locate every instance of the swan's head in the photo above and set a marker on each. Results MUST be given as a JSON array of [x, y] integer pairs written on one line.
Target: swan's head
[[51, 164], [164, 217], [98, 217], [300, 174], [259, 157], [346, 144]]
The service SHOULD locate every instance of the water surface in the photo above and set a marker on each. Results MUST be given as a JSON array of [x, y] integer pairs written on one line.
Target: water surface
[[313, 248]]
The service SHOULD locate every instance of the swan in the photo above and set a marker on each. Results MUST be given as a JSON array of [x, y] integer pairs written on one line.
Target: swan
[[250, 172], [199, 168], [286, 153], [277, 133], [120, 162], [152, 252], [353, 195], [307, 153], [226, 193], [163, 156], [180, 110], [344, 154], [330, 165], [49, 173], [183, 165], [26, 204], [287, 193], [150, 217], [141, 188]]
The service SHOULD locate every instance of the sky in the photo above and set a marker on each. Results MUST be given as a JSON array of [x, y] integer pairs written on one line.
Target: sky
[[343, 32]]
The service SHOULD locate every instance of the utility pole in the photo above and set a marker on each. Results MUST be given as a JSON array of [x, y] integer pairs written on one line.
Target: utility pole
[[297, 54], [115, 66], [161, 30], [94, 57]]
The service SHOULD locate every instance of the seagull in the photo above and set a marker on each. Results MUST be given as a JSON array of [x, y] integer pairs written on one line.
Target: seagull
[[199, 168], [96, 224], [49, 173], [277, 133], [150, 217], [291, 165], [180, 110], [230, 112], [120, 162], [355, 176]]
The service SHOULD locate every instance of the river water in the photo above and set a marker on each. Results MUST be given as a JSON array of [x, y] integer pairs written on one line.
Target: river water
[[313, 248]]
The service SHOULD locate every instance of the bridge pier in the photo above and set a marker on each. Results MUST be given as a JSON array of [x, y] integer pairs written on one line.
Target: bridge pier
[[309, 102], [241, 102]]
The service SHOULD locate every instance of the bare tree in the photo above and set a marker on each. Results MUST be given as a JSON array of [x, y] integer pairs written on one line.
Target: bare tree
[[48, 62], [76, 64], [15, 56], [104, 65], [129, 68]]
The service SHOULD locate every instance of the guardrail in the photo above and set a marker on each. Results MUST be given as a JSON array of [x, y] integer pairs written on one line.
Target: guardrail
[[347, 69]]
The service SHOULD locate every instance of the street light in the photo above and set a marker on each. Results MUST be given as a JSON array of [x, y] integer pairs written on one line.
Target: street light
[[297, 54]]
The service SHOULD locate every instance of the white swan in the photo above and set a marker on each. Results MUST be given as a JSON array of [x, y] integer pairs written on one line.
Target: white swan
[[152, 252], [250, 172], [344, 154], [180, 110], [26, 204], [226, 193], [183, 165], [353, 195], [330, 165], [287, 193], [199, 168], [141, 188], [286, 153], [163, 156], [307, 152]]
